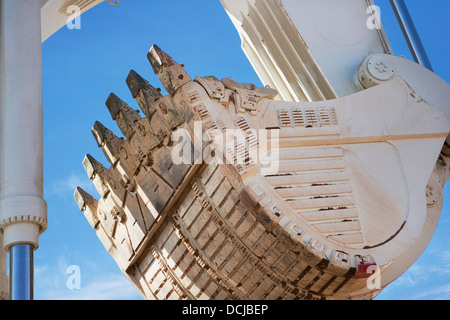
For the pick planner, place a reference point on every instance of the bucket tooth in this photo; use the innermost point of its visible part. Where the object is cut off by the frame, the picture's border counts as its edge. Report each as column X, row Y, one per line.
column 144, row 93
column 135, row 83
column 107, row 141
column 158, row 58
column 97, row 173
column 171, row 74
column 124, row 116
column 88, row 205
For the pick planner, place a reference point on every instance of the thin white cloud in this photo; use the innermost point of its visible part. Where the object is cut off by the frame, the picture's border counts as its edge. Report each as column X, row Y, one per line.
column 95, row 284
column 414, row 276
column 108, row 287
column 435, row 293
column 67, row 185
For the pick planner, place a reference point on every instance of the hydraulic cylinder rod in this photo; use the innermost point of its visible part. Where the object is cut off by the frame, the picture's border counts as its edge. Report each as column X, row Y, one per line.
column 410, row 32
column 21, row 272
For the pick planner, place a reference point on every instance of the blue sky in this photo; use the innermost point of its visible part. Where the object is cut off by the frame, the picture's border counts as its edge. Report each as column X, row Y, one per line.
column 81, row 68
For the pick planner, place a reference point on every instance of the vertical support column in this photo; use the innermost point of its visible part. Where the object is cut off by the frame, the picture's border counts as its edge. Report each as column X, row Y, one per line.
column 23, row 211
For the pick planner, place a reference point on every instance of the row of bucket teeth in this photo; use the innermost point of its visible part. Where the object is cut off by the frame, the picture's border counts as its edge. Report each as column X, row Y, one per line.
column 141, row 134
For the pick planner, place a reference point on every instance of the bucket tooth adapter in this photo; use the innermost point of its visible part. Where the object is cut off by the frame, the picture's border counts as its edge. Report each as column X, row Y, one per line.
column 223, row 192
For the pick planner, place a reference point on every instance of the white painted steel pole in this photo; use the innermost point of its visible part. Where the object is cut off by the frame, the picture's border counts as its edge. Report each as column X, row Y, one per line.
column 23, row 211
column 410, row 32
